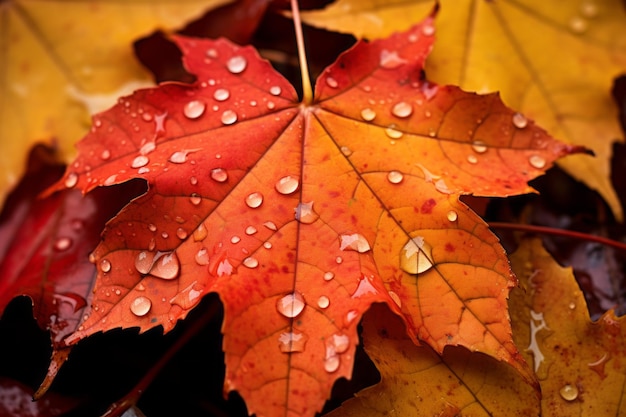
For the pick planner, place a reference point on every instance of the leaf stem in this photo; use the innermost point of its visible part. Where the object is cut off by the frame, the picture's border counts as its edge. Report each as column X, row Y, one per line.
column 307, row 92
column 558, row 232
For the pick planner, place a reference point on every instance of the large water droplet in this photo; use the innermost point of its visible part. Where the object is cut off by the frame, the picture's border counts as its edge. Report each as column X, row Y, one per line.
column 250, row 230
column 291, row 305
column 140, row 306
column 237, row 64
column 395, row 177
column 144, row 261
column 221, row 94
column 202, row 257
column 71, row 180
column 537, row 161
column 452, row 216
column 519, row 120
column 339, row 342
column 139, row 161
column 390, row 59
column 368, row 114
column 194, row 109
column 402, row 109
column 180, row 157
column 393, row 133
column 105, row 265
column 166, row 265
column 219, row 175
column 569, row 392
column 331, row 363
column 365, row 287
column 416, row 256
column 250, row 262
column 287, row 185
column 229, row 117
column 181, row 233
column 275, row 90
column 323, row 302
column 356, row 242
column 292, row 341
column 328, row 276
column 305, row 214
column 254, row 200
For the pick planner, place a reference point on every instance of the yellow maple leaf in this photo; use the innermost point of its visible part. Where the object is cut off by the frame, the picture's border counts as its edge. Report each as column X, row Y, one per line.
column 61, row 61
column 553, row 61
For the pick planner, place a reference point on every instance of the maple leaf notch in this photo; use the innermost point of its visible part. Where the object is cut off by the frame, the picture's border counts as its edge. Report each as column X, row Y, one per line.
column 301, row 215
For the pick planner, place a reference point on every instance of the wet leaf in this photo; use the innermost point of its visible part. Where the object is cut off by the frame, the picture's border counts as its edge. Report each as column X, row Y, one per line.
column 300, row 215
column 553, row 61
column 415, row 379
column 579, row 363
column 48, row 89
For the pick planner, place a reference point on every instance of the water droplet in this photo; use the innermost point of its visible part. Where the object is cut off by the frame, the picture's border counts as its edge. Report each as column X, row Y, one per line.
column 229, row 117
column 219, row 175
column 368, row 114
column 292, row 342
column 428, row 30
column 350, row 316
column 572, row 306
column 202, row 257
column 144, row 262
column 393, row 133
column 166, row 265
column 402, row 109
column 180, row 157
column 323, row 302
column 452, row 216
column 62, row 243
column 331, row 82
column 267, row 245
column 140, row 306
column 416, row 256
column 569, row 392
column 578, row 25
column 105, row 154
column 71, row 180
column 291, row 305
column 331, row 364
column 365, row 287
column 589, row 9
column 479, row 147
column 181, row 233
column 105, row 265
column 194, row 109
column 338, row 259
column 254, row 200
column 520, row 121
column 118, row 292
column 396, row 299
column 221, row 94
column 235, row 239
column 305, row 214
column 270, row 226
column 200, row 233
column 354, row 242
column 152, row 227
column 390, row 59
column 537, row 161
column 193, row 180
column 250, row 230
column 140, row 161
column 211, row 53
column 195, row 199
column 287, row 185
column 339, row 342
column 275, row 90
column 328, row 276
column 472, row 159
column 237, row 64
column 395, row 177
column 250, row 262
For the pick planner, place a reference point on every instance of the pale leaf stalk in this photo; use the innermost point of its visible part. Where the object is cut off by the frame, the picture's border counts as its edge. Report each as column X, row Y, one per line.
column 307, row 91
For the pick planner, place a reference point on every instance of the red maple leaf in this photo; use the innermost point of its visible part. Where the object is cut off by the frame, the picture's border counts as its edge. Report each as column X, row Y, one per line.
column 301, row 215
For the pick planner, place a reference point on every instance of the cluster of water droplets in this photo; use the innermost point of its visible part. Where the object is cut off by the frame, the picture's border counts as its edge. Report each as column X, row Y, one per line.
column 579, row 23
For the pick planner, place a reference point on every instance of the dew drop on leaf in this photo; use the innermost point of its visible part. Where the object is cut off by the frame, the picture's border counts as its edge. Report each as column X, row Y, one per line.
column 291, row 305
column 166, row 265
column 331, row 363
column 368, row 114
column 202, row 257
column 537, row 161
column 270, row 226
column 221, row 94
column 237, row 64
column 346, row 151
column 254, row 200
column 140, row 306
column 250, row 230
column 219, row 175
column 395, row 177
column 71, row 180
column 105, row 265
column 194, row 109
column 350, row 316
column 396, row 299
column 402, row 109
column 415, row 256
column 287, row 185
column 195, row 199
column 355, row 242
column 323, row 302
column 250, row 262
column 144, row 262
column 393, row 133
column 105, row 154
column 139, row 161
column 200, row 233
column 305, row 213
column 328, row 276
column 428, row 30
column 292, row 342
column 339, row 342
column 520, row 121
column 472, row 159
column 452, row 216
column 62, row 243
column 235, row 239
column 589, row 9
column 331, row 82
column 390, row 59
column 181, row 233
column 479, row 147
column 275, row 90
column 179, row 157
column 229, row 117
column 569, row 392
column 578, row 25
column 365, row 287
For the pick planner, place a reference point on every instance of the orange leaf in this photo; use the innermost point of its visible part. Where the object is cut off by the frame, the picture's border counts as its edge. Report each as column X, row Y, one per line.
column 580, row 364
column 301, row 215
